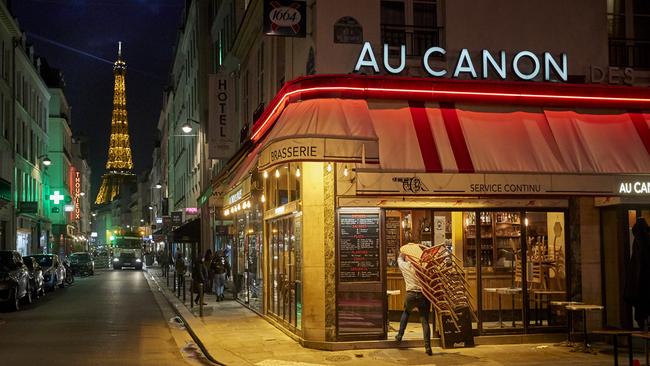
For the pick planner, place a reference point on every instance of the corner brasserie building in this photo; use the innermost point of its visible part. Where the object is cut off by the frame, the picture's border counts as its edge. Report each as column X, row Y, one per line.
column 532, row 186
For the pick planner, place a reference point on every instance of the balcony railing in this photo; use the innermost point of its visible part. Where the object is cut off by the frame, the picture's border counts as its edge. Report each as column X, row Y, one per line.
column 416, row 39
column 625, row 52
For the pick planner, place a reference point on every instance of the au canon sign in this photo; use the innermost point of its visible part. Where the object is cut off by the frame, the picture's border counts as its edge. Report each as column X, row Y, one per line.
column 285, row 18
column 525, row 65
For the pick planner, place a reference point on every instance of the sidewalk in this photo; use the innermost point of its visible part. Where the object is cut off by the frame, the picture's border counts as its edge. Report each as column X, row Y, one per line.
column 233, row 335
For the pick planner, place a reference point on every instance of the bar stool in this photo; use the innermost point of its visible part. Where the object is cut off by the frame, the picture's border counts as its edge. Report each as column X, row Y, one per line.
column 584, row 308
column 563, row 304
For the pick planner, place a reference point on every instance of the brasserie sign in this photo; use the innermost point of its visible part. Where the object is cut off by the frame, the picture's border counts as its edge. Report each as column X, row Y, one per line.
column 525, row 65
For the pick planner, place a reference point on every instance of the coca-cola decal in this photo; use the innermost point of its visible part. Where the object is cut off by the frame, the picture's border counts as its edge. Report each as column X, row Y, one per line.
column 285, row 18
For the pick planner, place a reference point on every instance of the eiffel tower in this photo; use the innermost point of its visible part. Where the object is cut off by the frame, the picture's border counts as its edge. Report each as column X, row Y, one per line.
column 119, row 164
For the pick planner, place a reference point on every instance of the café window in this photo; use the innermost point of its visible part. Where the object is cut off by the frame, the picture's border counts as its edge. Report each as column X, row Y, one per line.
column 283, row 184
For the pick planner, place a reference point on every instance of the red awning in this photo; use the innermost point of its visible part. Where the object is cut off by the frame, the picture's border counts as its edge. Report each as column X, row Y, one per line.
column 422, row 136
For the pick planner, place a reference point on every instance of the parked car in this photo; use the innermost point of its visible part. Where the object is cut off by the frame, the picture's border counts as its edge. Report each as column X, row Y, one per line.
column 36, row 281
column 53, row 270
column 82, row 263
column 14, row 280
column 101, row 259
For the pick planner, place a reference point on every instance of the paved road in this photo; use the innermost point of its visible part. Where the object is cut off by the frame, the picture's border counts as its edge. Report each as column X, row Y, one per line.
column 111, row 318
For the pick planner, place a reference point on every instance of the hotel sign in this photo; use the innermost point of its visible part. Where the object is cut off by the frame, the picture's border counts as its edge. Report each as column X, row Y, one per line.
column 221, row 120
column 525, row 65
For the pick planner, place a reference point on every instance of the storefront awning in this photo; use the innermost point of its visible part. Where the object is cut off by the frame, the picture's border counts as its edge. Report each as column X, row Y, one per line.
column 466, row 127
column 189, row 232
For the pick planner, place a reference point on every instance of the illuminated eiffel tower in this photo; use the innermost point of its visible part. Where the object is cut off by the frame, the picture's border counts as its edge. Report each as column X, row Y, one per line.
column 119, row 164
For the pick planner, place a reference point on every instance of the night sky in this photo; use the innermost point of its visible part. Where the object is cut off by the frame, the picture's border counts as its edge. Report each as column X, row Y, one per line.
column 147, row 29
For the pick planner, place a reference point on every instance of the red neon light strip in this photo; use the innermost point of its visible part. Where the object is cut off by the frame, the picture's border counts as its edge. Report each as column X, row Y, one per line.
column 456, row 138
column 425, row 137
column 642, row 128
column 548, row 94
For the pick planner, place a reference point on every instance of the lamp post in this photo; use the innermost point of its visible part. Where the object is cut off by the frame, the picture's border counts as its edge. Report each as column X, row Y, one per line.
column 187, row 129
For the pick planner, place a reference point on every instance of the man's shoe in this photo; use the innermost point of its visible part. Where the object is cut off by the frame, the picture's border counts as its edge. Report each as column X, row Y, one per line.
column 429, row 352
column 398, row 337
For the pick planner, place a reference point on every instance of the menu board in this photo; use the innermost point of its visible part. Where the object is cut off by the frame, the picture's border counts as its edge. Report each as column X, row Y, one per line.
column 359, row 247
column 392, row 239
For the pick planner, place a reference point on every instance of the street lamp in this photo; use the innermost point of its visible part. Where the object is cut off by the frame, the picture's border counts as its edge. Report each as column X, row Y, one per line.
column 46, row 161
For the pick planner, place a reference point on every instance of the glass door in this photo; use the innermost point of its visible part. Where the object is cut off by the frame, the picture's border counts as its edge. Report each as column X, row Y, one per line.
column 284, row 251
column 545, row 266
column 498, row 267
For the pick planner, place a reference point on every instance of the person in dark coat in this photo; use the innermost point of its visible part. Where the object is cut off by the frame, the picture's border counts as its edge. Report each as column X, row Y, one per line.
column 199, row 275
column 637, row 290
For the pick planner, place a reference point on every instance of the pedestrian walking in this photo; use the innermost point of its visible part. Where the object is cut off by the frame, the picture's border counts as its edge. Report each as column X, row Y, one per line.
column 638, row 271
column 221, row 269
column 207, row 261
column 179, row 267
column 199, row 275
column 414, row 299
column 164, row 263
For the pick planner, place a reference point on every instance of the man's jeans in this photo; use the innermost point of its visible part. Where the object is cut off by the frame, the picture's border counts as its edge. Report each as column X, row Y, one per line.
column 416, row 299
column 219, row 283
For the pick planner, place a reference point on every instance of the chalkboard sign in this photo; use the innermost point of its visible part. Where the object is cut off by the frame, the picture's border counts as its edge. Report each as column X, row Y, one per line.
column 392, row 239
column 453, row 337
column 359, row 247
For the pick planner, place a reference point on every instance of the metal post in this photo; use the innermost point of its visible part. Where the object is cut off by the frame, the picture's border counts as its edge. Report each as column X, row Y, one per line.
column 192, row 294
column 183, row 289
column 201, row 300
column 174, row 281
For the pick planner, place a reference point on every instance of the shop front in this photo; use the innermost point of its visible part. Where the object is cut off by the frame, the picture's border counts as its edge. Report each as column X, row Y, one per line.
column 243, row 243
column 517, row 180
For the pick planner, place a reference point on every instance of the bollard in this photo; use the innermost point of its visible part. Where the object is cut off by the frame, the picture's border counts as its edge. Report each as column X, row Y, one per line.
column 192, row 295
column 201, row 300
column 183, row 289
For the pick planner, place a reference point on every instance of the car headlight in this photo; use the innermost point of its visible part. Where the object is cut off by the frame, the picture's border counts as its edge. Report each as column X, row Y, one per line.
column 115, row 260
column 138, row 260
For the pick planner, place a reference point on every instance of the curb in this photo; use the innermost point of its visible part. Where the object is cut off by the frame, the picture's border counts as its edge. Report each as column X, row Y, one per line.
column 187, row 317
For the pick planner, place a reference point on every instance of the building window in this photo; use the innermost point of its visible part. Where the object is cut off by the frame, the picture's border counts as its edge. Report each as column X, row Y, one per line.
column 260, row 73
column 629, row 33
column 413, row 23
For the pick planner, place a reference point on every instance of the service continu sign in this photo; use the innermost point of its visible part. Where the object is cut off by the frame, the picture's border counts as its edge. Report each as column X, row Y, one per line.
column 285, row 18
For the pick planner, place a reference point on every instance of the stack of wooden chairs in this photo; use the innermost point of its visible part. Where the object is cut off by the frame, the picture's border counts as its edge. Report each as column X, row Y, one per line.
column 442, row 278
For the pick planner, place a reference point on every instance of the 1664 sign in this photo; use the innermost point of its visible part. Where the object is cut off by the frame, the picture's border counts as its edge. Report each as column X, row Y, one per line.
column 285, row 18
column 221, row 130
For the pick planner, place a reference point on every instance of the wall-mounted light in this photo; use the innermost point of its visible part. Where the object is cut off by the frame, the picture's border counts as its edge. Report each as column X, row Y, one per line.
column 150, row 207
column 277, row 173
column 187, row 128
column 297, row 172
column 265, row 174
column 141, row 220
column 346, row 172
column 329, row 167
column 158, row 185
column 263, row 198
